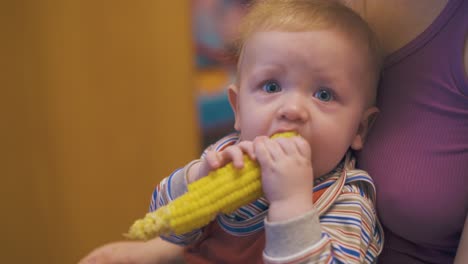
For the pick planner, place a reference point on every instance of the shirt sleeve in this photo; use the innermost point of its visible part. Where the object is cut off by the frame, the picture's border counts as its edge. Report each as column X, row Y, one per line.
column 175, row 185
column 348, row 232
column 169, row 189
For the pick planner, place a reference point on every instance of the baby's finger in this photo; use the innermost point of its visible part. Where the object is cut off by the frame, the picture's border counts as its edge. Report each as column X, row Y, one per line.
column 302, row 146
column 247, row 148
column 274, row 148
column 234, row 154
column 262, row 153
column 213, row 159
column 288, row 145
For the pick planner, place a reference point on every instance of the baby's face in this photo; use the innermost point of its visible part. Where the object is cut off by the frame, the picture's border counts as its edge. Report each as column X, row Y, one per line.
column 312, row 82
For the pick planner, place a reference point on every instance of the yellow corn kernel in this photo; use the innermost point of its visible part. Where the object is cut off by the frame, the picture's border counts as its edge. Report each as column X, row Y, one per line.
column 223, row 190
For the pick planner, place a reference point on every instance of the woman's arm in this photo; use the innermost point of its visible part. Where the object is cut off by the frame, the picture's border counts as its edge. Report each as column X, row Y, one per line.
column 130, row 252
column 462, row 251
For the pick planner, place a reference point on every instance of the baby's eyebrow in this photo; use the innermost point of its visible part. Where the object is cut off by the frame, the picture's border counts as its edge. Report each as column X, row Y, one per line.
column 267, row 70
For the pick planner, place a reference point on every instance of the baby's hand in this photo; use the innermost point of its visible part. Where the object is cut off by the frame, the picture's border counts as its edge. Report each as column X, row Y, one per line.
column 214, row 160
column 287, row 175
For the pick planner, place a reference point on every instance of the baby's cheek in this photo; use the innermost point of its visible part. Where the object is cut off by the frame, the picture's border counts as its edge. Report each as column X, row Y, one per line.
column 323, row 164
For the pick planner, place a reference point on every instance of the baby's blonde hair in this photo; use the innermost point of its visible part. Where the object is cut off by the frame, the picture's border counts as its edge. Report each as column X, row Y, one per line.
column 309, row 15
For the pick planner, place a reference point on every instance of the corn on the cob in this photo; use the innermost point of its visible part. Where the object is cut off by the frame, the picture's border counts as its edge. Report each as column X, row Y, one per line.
column 223, row 190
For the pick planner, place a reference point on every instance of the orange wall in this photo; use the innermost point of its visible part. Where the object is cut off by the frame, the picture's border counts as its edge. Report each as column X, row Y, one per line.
column 96, row 106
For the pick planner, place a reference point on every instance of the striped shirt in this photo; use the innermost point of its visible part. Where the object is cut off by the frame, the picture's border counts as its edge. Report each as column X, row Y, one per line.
column 343, row 228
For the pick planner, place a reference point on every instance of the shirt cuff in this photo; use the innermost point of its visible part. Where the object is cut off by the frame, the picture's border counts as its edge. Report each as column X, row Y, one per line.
column 287, row 238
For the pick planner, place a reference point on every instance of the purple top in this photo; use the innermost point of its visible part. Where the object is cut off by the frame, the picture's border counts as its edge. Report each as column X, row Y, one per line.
column 417, row 151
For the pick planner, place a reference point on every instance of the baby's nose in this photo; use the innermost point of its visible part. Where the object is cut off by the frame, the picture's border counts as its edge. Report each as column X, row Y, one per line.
column 294, row 108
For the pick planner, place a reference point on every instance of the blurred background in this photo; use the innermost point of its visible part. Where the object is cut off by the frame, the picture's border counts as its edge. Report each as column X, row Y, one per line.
column 99, row 100
column 214, row 27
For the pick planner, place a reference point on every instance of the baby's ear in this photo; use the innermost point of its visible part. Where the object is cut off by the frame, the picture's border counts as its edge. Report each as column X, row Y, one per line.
column 368, row 119
column 233, row 93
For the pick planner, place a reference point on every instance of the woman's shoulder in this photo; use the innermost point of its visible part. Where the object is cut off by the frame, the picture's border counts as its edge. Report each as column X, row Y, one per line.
column 398, row 22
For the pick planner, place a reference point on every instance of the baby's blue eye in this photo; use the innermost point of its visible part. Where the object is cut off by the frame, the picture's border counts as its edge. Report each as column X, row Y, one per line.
column 271, row 87
column 324, row 95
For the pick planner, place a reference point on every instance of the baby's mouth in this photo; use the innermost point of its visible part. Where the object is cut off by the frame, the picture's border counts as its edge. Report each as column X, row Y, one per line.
column 289, row 133
column 282, row 131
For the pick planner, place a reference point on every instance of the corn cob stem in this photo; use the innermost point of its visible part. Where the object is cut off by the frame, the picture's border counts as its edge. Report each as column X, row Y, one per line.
column 221, row 191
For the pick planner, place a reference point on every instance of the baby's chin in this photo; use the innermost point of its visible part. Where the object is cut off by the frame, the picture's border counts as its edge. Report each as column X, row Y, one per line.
column 324, row 169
